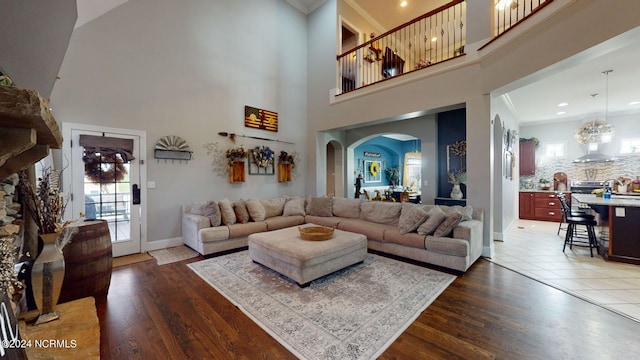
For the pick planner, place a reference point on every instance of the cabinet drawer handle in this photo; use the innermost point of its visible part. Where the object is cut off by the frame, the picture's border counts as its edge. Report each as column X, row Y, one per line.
column 551, row 203
column 552, row 196
column 551, row 213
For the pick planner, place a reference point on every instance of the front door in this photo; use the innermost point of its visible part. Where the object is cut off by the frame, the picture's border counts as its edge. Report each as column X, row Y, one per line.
column 107, row 188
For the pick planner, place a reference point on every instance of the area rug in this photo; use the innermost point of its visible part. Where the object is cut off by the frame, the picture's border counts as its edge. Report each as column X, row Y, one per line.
column 354, row 313
column 130, row 259
column 173, row 254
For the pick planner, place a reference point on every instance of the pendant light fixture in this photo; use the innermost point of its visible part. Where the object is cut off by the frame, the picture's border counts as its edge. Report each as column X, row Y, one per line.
column 596, row 131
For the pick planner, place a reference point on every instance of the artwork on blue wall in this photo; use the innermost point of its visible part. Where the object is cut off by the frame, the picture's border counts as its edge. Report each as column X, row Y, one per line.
column 372, row 171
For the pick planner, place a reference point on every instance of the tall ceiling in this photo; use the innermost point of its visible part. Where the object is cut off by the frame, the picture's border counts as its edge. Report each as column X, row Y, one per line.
column 534, row 99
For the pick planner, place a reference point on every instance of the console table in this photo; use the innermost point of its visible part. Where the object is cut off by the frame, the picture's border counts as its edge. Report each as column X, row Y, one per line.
column 449, row 201
column 75, row 335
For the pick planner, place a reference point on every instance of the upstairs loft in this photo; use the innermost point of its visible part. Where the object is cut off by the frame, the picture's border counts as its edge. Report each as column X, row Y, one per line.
column 438, row 36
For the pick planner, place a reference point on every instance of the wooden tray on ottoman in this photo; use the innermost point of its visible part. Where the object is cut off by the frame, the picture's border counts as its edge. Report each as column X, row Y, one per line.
column 316, row 233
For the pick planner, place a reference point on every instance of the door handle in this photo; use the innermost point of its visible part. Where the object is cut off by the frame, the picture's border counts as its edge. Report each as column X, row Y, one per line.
column 136, row 194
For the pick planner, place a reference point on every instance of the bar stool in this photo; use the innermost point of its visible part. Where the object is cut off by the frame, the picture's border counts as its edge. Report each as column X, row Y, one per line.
column 573, row 222
column 562, row 197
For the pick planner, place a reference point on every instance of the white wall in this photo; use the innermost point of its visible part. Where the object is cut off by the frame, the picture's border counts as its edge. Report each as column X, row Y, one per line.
column 188, row 68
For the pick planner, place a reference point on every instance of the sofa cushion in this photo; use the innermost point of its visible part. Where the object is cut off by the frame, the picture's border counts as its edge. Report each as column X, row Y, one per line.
column 240, row 209
column 226, row 211
column 320, row 206
column 273, row 207
column 436, row 216
column 328, row 221
column 256, row 211
column 448, row 246
column 465, row 211
column 411, row 216
column 242, row 230
column 380, row 212
column 294, row 206
column 446, row 227
column 373, row 231
column 409, row 239
column 346, row 207
column 211, row 234
column 281, row 222
column 208, row 209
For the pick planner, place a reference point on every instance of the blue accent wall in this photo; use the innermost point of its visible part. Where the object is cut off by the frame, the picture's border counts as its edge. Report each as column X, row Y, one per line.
column 391, row 155
column 452, row 127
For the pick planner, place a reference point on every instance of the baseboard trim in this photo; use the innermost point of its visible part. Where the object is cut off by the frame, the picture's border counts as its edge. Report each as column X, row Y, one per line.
column 163, row 244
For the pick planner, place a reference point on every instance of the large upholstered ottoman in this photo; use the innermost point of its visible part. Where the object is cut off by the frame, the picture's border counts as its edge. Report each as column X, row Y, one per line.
column 303, row 260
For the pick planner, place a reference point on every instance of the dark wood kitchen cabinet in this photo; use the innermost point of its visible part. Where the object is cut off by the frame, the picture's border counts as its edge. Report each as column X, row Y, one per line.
column 540, row 205
column 528, row 158
column 527, row 205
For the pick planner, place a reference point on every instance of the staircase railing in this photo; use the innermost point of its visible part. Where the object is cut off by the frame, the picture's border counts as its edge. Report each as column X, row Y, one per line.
column 508, row 13
column 434, row 37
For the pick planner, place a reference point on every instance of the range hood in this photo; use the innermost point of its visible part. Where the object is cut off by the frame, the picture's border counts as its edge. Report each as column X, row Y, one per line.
column 594, row 157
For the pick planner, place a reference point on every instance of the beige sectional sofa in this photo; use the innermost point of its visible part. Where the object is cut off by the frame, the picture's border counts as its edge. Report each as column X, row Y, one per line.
column 447, row 236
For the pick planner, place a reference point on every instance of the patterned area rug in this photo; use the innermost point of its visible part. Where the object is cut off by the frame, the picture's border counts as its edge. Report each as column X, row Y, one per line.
column 354, row 313
column 173, row 254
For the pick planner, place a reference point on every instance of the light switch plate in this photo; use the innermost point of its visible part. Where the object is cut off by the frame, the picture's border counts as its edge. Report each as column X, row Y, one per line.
column 151, row 184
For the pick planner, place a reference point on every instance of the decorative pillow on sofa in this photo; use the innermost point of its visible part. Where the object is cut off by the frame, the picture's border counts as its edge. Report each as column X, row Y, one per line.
column 208, row 209
column 446, row 227
column 256, row 210
column 465, row 211
column 346, row 207
column 227, row 213
column 273, row 207
column 411, row 216
column 294, row 206
column 320, row 206
column 240, row 209
column 436, row 216
column 380, row 212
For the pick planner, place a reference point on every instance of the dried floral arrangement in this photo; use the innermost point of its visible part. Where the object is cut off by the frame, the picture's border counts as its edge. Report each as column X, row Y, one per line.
column 262, row 156
column 457, row 177
column 285, row 157
column 235, row 154
column 45, row 203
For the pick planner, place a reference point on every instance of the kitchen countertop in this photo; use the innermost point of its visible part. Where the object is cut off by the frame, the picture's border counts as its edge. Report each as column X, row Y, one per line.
column 590, row 199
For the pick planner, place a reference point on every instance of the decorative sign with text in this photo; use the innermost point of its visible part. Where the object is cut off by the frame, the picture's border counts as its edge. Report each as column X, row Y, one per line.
column 372, row 154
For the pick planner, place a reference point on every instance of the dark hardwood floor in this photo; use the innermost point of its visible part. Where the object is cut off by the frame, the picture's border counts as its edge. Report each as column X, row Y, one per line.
column 168, row 312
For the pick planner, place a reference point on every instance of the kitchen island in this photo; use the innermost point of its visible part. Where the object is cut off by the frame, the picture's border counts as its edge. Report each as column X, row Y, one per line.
column 623, row 241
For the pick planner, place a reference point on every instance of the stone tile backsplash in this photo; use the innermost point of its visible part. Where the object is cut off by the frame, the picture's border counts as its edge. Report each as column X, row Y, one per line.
column 625, row 166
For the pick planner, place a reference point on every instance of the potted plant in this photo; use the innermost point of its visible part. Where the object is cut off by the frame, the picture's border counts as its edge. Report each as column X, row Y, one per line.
column 393, row 176
column 544, row 184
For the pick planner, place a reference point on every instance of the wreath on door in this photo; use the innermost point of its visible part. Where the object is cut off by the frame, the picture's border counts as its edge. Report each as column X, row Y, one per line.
column 101, row 169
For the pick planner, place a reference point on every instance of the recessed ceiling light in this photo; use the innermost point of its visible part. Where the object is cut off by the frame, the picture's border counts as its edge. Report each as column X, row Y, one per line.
column 634, row 103
column 403, row 3
column 563, row 104
column 560, row 113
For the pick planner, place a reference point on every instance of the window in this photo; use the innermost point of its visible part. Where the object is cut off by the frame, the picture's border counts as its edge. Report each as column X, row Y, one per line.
column 554, row 150
column 630, row 146
column 412, row 166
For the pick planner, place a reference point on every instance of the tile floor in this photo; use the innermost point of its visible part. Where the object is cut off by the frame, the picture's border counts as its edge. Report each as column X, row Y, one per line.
column 534, row 249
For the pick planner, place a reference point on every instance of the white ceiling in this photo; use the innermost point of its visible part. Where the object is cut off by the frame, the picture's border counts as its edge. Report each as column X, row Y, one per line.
column 534, row 99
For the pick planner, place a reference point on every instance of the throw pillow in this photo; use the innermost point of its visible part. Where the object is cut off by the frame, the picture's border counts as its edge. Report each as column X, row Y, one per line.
column 347, row 208
column 226, row 210
column 465, row 211
column 411, row 216
column 320, row 206
column 294, row 206
column 436, row 216
column 240, row 209
column 273, row 207
column 208, row 209
column 446, row 227
column 256, row 210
